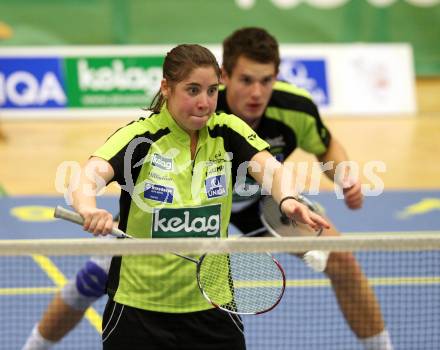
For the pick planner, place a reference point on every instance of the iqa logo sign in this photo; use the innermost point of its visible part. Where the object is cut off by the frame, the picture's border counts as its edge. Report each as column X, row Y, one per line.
column 31, row 83
column 309, row 75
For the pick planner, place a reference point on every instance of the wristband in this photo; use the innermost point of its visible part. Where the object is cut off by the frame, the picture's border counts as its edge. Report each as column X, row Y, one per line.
column 284, row 199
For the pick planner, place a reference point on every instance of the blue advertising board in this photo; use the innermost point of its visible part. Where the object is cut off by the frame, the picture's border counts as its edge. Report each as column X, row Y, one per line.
column 309, row 74
column 32, row 82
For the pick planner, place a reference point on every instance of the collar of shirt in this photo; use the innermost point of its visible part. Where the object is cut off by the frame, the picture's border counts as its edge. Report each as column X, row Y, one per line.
column 181, row 135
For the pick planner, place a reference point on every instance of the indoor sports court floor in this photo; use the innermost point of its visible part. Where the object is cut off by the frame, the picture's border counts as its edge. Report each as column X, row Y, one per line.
column 409, row 147
column 411, row 212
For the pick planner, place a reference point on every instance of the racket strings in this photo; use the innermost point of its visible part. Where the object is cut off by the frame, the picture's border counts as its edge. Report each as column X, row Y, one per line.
column 242, row 282
column 278, row 226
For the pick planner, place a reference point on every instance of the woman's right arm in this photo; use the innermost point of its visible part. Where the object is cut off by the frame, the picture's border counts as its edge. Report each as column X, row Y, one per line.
column 95, row 175
column 281, row 187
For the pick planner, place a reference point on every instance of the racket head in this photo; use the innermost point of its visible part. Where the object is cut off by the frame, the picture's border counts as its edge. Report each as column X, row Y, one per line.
column 279, row 225
column 241, row 283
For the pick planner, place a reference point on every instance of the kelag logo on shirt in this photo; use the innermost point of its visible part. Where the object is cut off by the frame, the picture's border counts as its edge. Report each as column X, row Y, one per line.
column 159, row 193
column 215, row 186
column 162, row 162
column 187, row 222
column 309, row 75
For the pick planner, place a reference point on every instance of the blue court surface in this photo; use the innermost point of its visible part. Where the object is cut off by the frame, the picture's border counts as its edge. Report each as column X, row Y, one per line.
column 407, row 284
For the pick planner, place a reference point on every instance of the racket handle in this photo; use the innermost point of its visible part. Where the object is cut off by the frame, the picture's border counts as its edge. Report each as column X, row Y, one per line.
column 69, row 215
column 316, row 259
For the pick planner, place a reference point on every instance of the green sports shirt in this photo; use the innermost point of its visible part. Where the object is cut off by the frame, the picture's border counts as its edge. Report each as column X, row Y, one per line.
column 291, row 120
column 167, row 194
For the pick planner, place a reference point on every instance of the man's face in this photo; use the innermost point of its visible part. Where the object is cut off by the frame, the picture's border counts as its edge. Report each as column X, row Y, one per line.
column 249, row 88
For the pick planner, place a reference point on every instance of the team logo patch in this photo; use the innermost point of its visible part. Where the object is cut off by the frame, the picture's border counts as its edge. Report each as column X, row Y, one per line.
column 187, row 222
column 162, row 162
column 216, row 186
column 252, row 137
column 159, row 193
column 215, row 169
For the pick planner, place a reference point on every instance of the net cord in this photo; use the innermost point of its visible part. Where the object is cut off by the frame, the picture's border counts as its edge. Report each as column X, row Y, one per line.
column 95, row 246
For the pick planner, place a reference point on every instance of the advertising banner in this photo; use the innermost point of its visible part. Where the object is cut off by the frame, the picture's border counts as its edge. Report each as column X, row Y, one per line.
column 32, row 82
column 357, row 79
column 343, row 80
column 112, row 81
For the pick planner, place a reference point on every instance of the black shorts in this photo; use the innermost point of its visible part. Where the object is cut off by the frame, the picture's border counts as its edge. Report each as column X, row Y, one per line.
column 248, row 219
column 125, row 327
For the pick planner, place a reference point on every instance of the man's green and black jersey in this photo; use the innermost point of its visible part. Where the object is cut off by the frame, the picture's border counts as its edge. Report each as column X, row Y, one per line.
column 291, row 120
column 165, row 193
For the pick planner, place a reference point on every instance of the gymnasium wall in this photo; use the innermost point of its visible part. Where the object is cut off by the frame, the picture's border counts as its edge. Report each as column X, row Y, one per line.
column 96, row 22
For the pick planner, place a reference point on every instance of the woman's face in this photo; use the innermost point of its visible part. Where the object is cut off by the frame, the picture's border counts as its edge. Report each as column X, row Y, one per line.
column 192, row 101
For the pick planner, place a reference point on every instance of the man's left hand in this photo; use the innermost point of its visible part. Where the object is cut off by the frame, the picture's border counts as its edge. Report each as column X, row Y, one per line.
column 353, row 196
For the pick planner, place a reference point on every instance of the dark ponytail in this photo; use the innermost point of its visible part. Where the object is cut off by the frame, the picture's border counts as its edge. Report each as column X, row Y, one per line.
column 157, row 102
